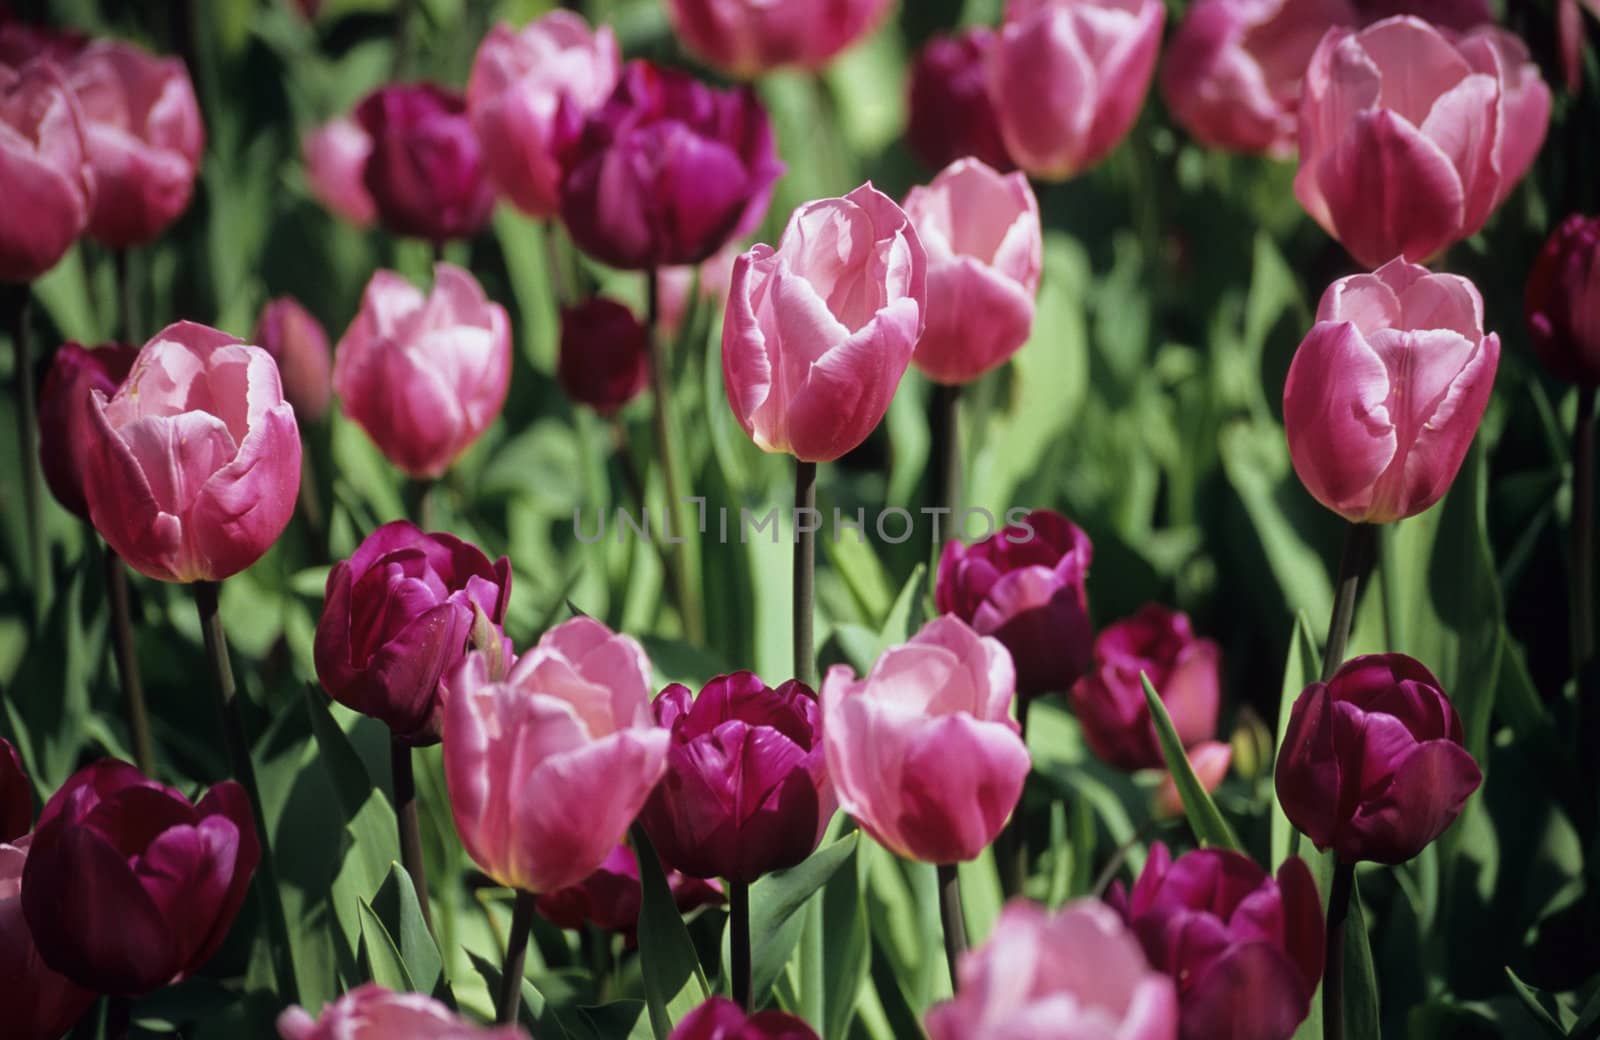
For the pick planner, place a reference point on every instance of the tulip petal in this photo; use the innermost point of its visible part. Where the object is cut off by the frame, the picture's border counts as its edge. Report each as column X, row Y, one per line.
column 1308, row 773
column 1342, row 437
column 1226, row 999
column 1429, row 789
column 962, row 778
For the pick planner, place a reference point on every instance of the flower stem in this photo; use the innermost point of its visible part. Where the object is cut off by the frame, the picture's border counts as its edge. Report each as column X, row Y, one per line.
column 955, row 925
column 405, row 813
column 119, row 1015
column 1011, row 847
column 1360, row 543
column 1583, row 638
column 685, row 582
column 127, row 297
column 739, row 941
column 127, row 655
column 510, row 997
column 15, row 307
column 1344, row 875
column 805, row 572
column 946, row 455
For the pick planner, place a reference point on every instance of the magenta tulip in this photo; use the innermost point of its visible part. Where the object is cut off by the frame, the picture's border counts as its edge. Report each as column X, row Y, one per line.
column 819, row 331
column 295, row 339
column 128, row 887
column 424, row 375
column 1244, row 948
column 923, row 752
column 44, row 163
column 610, row 898
column 1068, row 78
column 65, row 430
column 425, row 173
column 746, row 38
column 40, row 1004
column 525, row 83
column 1562, row 301
column 1385, row 393
column 370, row 1012
column 605, row 355
column 721, row 1019
column 336, row 155
column 1078, row 972
column 549, row 766
column 1110, row 700
column 16, row 794
column 1372, row 764
column 746, row 790
column 951, row 115
column 193, row 465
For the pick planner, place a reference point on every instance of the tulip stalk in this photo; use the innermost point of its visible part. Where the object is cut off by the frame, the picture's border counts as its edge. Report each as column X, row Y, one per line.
column 1355, row 559
column 127, row 656
column 955, row 924
column 805, row 570
column 684, row 579
column 405, row 813
column 739, row 941
column 510, row 995
column 946, row 452
column 15, row 306
column 1583, row 639
column 1344, row 876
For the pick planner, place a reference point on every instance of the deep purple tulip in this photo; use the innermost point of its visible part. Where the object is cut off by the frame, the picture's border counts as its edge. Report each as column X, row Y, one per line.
column 129, row 887
column 1024, row 586
column 39, row 1004
column 425, row 173
column 667, row 171
column 605, row 354
column 611, row 897
column 16, row 794
column 395, row 619
column 1562, row 301
column 951, row 114
column 746, row 789
column 1372, row 764
column 721, row 1019
column 1244, row 948
column 75, row 372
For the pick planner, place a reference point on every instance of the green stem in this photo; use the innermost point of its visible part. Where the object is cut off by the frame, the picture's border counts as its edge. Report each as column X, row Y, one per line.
column 127, row 656
column 510, row 996
column 405, row 812
column 739, row 941
column 1360, row 541
column 946, row 456
column 1584, row 664
column 1344, row 875
column 15, row 306
column 805, row 571
column 955, row 924
column 684, row 580
column 127, row 296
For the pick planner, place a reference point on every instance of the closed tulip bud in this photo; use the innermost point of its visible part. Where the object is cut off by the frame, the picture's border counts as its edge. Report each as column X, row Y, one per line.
column 1372, row 764
column 193, row 465
column 65, row 397
column 336, row 155
column 721, row 1019
column 923, row 752
column 295, row 339
column 425, row 173
column 128, row 887
column 1078, row 972
column 40, row 1003
column 746, row 38
column 548, row 767
column 145, row 138
column 45, row 166
column 424, row 375
column 611, row 897
column 1068, row 78
column 951, row 116
column 1210, row 760
column 1386, row 392
column 16, row 794
column 1110, row 700
column 746, row 790
column 605, row 354
column 524, row 84
column 819, row 331
column 371, row 1012
column 1563, row 301
column 667, row 171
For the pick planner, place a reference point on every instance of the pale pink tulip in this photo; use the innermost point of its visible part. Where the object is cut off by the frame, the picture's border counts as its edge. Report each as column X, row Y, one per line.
column 45, row 168
column 748, row 37
column 336, row 156
column 371, row 1012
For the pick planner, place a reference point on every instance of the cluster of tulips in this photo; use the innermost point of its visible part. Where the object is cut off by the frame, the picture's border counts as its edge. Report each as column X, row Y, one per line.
column 564, row 767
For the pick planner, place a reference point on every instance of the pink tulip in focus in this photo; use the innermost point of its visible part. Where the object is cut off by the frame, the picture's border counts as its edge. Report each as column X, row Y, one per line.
column 424, row 375
column 1385, row 394
column 425, row 173
column 1562, row 301
column 524, row 83
column 549, row 766
column 745, row 38
column 1524, row 93
column 192, row 467
column 721, row 1019
column 65, row 432
column 40, row 1003
column 924, row 752
column 1078, row 972
column 145, row 138
column 1068, row 78
column 45, row 167
column 819, row 331
column 295, row 339
column 370, row 1012
column 1210, row 760
column 336, row 156
column 951, row 114
column 985, row 253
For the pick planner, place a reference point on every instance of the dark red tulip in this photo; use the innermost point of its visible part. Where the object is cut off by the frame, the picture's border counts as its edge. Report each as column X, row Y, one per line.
column 610, row 898
column 951, row 115
column 721, row 1019
column 16, row 794
column 425, row 173
column 75, row 372
column 605, row 354
column 1563, row 301
column 39, row 1004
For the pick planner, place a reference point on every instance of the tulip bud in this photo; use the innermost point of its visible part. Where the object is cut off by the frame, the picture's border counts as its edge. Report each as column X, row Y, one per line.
column 746, row 38
column 1372, row 764
column 40, row 1004
column 44, row 152
column 605, row 355
column 336, row 155
column 193, row 466
column 1456, row 15
column 1386, row 392
column 16, row 794
column 295, row 339
column 819, row 331
column 425, row 173
column 611, row 897
column 128, row 887
column 1210, row 760
column 951, row 116
column 370, row 1012
column 721, row 1019
column 64, row 406
column 1244, row 948
column 1079, row 969
column 1110, row 701
column 21, row 42
column 1563, row 301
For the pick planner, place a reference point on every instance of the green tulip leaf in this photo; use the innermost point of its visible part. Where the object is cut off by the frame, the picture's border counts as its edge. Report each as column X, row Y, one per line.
column 1201, row 811
column 674, row 983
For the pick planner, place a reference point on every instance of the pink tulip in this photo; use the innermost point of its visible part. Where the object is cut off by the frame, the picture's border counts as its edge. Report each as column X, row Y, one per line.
column 1210, row 761
column 1457, row 15
column 748, row 37
column 371, row 1012
column 1386, row 392
column 65, row 432
column 1232, row 73
column 193, row 465
column 336, row 156
column 548, row 767
column 40, row 1003
column 145, row 138
column 21, row 42
column 1078, row 972
column 1068, row 78
column 820, row 330
column 985, row 252
column 295, row 339
column 924, row 752
column 44, row 165
column 524, row 83
column 1406, row 136
column 424, row 375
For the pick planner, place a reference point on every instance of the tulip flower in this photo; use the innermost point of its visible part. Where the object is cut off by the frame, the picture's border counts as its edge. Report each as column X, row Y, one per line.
column 21, row 42
column 1456, row 15
column 1372, row 764
column 128, row 887
column 424, row 375
column 425, row 173
column 1563, row 301
column 605, row 355
column 370, row 1012
column 1386, row 392
column 40, row 1004
column 1110, row 700
column 951, row 115
column 721, row 1019
column 667, row 171
column 1524, row 95
column 64, row 406
column 1232, row 73
column 746, row 790
column 610, row 898
column 1244, row 948
column 16, row 794
column 746, row 38
column 44, row 160
column 192, row 467
column 820, row 330
column 336, row 155
column 923, row 752
column 549, row 766
column 1406, row 136
column 1078, row 972
column 524, row 84
column 395, row 620
column 295, row 339
column 145, row 138
column 1068, row 78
